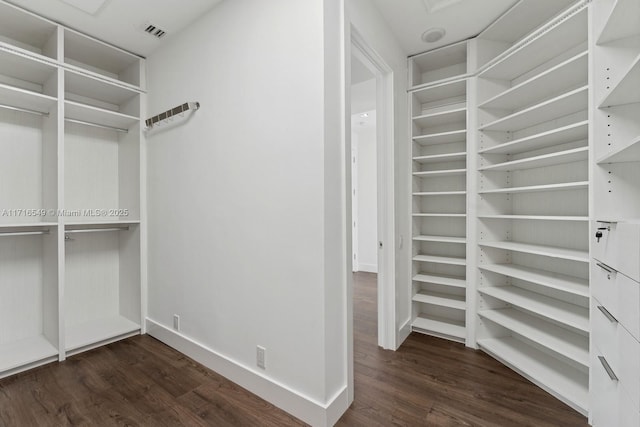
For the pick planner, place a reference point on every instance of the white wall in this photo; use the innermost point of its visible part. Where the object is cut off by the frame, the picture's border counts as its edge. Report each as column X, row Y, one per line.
column 246, row 199
column 368, row 21
column 363, row 96
column 364, row 140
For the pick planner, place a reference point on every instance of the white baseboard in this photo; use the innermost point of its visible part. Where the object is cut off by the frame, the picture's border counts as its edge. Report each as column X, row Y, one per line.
column 285, row 398
column 368, row 268
column 403, row 333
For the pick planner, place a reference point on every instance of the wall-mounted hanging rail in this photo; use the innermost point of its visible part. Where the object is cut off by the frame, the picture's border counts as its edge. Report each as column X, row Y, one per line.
column 180, row 109
column 23, row 233
column 23, row 110
column 92, row 230
column 95, row 125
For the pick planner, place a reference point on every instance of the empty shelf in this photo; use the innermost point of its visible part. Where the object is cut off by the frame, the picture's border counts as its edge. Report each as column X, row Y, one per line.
column 440, row 299
column 550, row 251
column 26, row 99
column 437, row 158
column 25, row 68
column 570, row 73
column 89, row 333
column 439, row 279
column 565, row 186
column 441, row 138
column 98, row 116
column 560, row 379
column 441, row 118
column 626, row 91
column 440, row 173
column 26, row 352
column 560, row 340
column 441, row 92
column 440, row 239
column 440, row 325
column 440, row 259
column 538, row 217
column 622, row 22
column 629, row 153
column 441, row 193
column 551, row 159
column 562, row 105
column 563, row 282
column 570, row 133
column 567, row 314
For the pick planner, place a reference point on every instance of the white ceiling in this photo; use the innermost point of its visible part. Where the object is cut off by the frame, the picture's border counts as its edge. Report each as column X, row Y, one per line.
column 120, row 22
column 461, row 19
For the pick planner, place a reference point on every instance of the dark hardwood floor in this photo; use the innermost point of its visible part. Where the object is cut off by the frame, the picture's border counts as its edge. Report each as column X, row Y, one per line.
column 141, row 382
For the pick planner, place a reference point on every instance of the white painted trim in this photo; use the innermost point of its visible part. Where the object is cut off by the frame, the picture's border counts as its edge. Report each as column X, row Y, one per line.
column 305, row 408
column 403, row 333
column 367, row 268
column 386, row 186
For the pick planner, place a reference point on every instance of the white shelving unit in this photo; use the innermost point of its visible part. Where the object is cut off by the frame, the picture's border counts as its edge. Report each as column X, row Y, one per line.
column 439, row 135
column 533, row 201
column 615, row 296
column 70, row 134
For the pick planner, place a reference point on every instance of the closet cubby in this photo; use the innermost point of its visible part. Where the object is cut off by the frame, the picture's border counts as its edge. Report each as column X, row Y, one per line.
column 615, row 235
column 441, row 64
column 102, row 284
column 439, row 154
column 101, row 60
column 533, row 201
column 28, row 297
column 25, row 32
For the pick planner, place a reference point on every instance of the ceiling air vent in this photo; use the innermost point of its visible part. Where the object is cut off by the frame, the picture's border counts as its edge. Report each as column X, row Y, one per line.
column 154, row 30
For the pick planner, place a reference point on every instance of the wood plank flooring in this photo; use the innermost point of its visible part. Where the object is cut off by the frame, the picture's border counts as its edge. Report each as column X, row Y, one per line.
column 141, row 382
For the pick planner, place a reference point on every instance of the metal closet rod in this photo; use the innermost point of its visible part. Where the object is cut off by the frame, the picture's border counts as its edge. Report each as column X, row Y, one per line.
column 23, row 233
column 96, row 230
column 82, row 122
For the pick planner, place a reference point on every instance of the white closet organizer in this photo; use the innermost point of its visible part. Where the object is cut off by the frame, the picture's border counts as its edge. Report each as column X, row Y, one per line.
column 532, row 199
column 615, row 271
column 439, row 132
column 70, row 134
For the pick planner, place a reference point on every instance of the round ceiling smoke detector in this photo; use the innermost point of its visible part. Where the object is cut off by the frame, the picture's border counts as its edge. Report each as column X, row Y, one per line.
column 432, row 35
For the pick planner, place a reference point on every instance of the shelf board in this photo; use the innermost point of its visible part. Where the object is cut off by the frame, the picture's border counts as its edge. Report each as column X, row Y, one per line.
column 562, row 105
column 549, row 251
column 562, row 380
column 567, row 314
column 440, row 325
column 21, row 98
column 443, row 215
column 441, row 259
column 544, row 160
column 441, row 137
column 86, row 334
column 439, row 158
column 570, row 133
column 10, row 226
column 440, row 239
column 625, row 91
column 99, row 116
column 622, row 22
column 25, row 352
column 538, row 217
column 440, row 173
column 566, row 343
column 440, row 279
column 628, row 153
column 97, row 88
column 441, row 92
column 441, row 118
column 565, row 186
column 570, row 284
column 440, row 193
column 570, row 73
column 540, row 49
column 25, row 68
column 440, row 299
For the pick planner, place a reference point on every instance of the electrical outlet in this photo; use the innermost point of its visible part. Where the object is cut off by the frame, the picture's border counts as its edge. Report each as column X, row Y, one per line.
column 260, row 357
column 176, row 322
